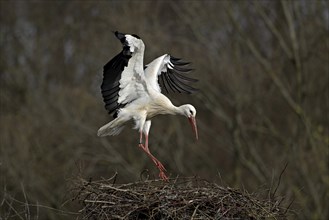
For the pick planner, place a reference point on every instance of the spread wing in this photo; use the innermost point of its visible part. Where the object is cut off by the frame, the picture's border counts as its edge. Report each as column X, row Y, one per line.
column 123, row 75
column 169, row 73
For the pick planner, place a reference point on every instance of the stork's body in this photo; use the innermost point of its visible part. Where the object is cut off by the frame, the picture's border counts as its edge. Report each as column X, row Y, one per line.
column 131, row 92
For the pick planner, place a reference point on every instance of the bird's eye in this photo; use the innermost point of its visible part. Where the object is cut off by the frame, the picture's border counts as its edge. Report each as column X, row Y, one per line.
column 191, row 112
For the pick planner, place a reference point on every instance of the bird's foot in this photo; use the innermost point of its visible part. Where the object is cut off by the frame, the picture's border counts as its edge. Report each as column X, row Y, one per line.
column 159, row 165
column 162, row 170
column 163, row 176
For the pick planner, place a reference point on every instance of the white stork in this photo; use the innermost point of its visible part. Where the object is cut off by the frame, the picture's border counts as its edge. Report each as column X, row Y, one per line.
column 132, row 91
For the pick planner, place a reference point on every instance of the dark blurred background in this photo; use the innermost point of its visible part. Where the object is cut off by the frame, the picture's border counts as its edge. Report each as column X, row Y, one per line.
column 263, row 100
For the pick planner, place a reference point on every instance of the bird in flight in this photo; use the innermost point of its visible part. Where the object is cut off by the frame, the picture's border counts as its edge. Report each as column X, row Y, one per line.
column 132, row 91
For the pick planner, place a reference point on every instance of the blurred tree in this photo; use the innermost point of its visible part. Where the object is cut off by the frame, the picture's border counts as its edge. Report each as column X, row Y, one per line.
column 264, row 74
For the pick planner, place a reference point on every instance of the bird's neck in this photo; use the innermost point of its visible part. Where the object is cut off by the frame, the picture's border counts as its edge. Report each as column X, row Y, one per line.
column 178, row 110
column 162, row 105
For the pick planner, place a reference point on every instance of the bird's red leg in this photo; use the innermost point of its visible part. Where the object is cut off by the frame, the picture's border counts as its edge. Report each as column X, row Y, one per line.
column 155, row 160
column 159, row 165
column 140, row 138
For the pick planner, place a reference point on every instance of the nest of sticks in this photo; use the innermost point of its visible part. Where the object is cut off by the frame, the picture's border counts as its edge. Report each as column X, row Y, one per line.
column 180, row 198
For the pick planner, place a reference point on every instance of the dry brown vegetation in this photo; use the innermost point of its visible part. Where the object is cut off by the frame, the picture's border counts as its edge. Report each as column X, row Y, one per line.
column 263, row 100
column 179, row 198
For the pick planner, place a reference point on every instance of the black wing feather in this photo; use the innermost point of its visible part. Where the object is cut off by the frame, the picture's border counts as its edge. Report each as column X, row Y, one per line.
column 182, row 69
column 111, row 76
column 177, row 74
column 183, row 86
column 163, row 82
column 176, row 84
column 175, row 79
column 179, row 63
column 169, row 83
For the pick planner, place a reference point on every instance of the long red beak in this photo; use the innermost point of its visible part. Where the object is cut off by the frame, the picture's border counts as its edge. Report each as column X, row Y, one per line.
column 194, row 127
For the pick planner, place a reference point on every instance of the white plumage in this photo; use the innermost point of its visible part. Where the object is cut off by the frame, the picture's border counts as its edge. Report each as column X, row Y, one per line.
column 132, row 91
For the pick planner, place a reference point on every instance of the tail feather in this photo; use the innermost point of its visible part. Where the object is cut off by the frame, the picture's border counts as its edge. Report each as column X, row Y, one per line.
column 112, row 128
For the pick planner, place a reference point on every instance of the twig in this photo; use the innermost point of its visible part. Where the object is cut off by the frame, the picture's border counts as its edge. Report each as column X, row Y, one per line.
column 277, row 186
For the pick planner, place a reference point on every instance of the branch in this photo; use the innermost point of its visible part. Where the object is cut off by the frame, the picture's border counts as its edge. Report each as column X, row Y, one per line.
column 273, row 29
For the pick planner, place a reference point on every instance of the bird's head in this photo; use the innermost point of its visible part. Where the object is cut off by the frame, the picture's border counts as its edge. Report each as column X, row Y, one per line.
column 131, row 42
column 190, row 112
